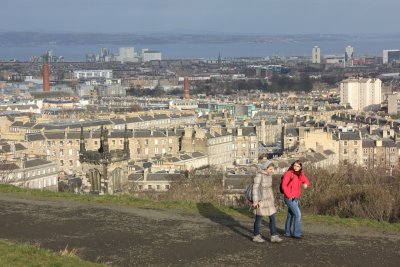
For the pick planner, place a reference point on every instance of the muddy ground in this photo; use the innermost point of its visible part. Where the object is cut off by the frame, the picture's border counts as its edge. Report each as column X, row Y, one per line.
column 129, row 236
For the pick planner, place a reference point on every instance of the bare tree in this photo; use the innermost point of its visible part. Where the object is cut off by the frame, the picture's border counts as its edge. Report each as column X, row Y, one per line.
column 7, row 171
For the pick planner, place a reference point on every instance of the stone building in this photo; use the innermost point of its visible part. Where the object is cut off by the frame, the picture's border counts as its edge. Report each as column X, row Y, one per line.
column 382, row 153
column 106, row 170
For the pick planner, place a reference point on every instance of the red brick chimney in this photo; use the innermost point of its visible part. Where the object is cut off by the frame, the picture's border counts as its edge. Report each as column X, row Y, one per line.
column 186, row 95
column 46, row 77
column 46, row 73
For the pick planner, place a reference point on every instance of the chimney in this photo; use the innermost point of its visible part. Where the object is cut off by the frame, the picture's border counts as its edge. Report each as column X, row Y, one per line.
column 46, row 75
column 186, row 95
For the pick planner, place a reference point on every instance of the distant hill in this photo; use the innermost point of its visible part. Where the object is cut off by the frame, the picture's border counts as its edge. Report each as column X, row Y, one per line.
column 38, row 38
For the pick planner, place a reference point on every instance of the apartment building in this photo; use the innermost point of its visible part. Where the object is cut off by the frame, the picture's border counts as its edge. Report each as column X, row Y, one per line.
column 361, row 93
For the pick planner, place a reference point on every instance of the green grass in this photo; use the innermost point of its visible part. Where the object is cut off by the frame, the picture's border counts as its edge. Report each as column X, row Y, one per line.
column 23, row 255
column 353, row 222
column 189, row 206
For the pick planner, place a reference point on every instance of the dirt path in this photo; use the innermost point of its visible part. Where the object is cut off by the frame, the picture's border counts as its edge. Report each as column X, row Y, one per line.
column 128, row 236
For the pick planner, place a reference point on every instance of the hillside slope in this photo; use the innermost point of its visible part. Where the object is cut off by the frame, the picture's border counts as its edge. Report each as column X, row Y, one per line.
column 130, row 236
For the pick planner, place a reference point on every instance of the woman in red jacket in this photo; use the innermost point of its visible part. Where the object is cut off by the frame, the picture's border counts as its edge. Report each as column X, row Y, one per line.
column 292, row 181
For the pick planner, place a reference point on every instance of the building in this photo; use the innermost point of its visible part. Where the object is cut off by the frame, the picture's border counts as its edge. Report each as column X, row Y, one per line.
column 393, row 104
column 390, row 56
column 361, row 93
column 127, row 54
column 316, row 55
column 349, row 55
column 30, row 173
column 93, row 74
column 105, row 170
column 381, row 153
column 148, row 55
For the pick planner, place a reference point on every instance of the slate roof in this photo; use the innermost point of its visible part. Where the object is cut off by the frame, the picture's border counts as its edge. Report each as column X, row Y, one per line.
column 36, row 162
column 34, row 137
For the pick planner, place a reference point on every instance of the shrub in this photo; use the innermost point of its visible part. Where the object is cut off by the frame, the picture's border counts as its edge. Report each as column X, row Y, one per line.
column 352, row 191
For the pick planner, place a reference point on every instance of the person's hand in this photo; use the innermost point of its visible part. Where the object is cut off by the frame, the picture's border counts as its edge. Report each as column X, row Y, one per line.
column 255, row 205
column 305, row 186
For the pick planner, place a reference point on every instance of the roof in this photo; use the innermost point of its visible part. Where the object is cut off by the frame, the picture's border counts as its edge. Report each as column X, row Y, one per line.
column 35, row 162
column 34, row 137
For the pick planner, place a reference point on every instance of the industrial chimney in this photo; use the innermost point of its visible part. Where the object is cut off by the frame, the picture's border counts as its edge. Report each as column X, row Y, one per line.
column 46, row 74
column 186, row 95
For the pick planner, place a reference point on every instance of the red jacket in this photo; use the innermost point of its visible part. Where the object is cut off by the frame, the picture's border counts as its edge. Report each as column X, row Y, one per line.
column 291, row 184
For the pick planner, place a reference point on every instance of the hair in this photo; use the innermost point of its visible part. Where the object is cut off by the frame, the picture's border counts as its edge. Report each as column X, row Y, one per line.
column 298, row 162
column 265, row 164
column 262, row 156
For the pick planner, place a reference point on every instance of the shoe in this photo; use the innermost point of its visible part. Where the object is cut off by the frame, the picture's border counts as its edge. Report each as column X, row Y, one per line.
column 297, row 237
column 258, row 239
column 285, row 235
column 276, row 239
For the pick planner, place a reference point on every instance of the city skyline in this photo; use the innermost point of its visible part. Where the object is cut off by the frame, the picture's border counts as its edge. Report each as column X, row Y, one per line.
column 176, row 16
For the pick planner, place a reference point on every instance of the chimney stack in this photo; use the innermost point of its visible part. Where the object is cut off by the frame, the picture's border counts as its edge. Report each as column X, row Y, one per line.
column 186, row 95
column 46, row 74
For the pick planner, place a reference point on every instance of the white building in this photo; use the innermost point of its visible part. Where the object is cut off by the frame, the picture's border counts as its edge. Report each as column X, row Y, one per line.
column 334, row 59
column 316, row 55
column 391, row 55
column 93, row 74
column 151, row 55
column 349, row 55
column 361, row 93
column 127, row 54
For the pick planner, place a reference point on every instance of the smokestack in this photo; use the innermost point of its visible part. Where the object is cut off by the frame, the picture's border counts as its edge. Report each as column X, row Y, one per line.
column 46, row 75
column 186, row 95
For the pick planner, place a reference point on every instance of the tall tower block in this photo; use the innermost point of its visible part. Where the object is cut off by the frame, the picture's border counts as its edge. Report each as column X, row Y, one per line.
column 46, row 75
column 186, row 95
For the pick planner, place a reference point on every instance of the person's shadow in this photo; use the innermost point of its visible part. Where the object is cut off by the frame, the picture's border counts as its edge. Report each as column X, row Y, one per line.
column 214, row 214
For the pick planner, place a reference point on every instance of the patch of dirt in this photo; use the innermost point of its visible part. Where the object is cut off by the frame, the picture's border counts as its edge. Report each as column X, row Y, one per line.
column 129, row 236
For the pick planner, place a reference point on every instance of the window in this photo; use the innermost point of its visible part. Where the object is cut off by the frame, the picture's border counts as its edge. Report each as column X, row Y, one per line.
column 61, row 143
column 61, row 163
column 158, row 187
column 345, row 151
column 140, row 187
column 71, row 163
column 355, row 143
column 345, row 143
column 146, row 141
column 95, row 143
column 70, row 142
column 149, row 187
column 167, row 186
column 113, row 142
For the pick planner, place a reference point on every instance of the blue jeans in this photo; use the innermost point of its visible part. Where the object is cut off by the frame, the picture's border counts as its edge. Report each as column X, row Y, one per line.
column 272, row 225
column 293, row 216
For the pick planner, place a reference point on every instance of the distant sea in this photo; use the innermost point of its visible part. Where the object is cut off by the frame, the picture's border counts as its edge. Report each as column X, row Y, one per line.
column 74, row 53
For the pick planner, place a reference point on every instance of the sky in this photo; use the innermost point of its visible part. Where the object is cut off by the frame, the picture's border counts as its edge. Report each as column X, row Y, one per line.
column 201, row 16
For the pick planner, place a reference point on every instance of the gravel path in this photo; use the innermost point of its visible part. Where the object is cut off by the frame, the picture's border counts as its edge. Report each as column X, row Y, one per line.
column 130, row 236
